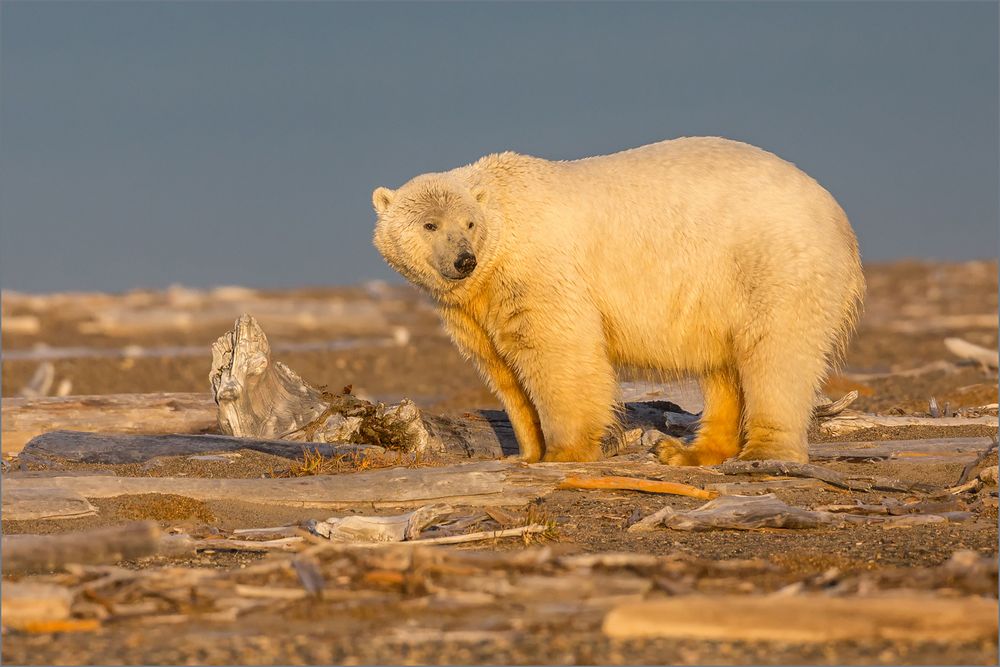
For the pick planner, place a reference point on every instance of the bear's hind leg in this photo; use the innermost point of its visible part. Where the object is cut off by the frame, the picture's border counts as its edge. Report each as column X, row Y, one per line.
column 719, row 433
column 780, row 379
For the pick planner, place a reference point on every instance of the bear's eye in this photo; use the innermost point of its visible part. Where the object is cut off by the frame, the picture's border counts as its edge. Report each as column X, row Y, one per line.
column 430, row 226
column 471, row 224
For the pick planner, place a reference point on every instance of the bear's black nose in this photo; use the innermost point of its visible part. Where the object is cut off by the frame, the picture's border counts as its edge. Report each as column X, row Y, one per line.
column 465, row 263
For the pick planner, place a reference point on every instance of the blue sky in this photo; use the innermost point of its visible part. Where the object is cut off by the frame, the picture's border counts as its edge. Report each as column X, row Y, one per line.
column 203, row 143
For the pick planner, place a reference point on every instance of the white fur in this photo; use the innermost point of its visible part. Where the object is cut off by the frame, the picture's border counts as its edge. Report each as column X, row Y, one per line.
column 693, row 256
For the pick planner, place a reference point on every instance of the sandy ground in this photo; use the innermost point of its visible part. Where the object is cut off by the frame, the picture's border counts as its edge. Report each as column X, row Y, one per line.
column 907, row 318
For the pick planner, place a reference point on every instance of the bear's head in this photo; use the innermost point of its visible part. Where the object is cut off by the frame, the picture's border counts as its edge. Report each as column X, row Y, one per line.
column 434, row 230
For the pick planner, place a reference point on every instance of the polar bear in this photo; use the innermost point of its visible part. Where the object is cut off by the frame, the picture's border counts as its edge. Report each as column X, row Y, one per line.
column 697, row 256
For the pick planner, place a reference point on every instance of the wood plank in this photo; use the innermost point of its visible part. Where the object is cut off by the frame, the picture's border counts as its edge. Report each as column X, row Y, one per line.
column 847, row 423
column 806, row 618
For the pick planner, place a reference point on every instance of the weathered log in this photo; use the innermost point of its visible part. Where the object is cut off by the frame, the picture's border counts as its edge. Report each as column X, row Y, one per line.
column 931, row 450
column 108, row 449
column 812, row 471
column 44, row 553
column 481, row 483
column 845, row 424
column 806, row 618
column 39, row 502
column 25, row 418
column 987, row 358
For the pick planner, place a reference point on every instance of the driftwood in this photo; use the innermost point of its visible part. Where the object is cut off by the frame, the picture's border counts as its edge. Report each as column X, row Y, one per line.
column 931, row 450
column 935, row 322
column 769, row 511
column 395, row 528
column 845, row 424
column 806, row 618
column 809, row 470
column 262, row 398
column 481, row 483
column 535, row 581
column 987, row 358
column 25, row 418
column 766, row 486
column 636, row 484
column 81, row 447
column 39, row 502
column 740, row 513
column 43, row 553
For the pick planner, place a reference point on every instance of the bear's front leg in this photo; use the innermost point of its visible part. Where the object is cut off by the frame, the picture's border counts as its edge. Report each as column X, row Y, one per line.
column 473, row 342
column 560, row 355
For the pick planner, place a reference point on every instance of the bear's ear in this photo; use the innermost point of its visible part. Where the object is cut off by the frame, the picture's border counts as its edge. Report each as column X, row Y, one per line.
column 479, row 192
column 381, row 199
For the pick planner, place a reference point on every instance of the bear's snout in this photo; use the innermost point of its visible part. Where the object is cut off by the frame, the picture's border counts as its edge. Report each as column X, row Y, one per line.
column 465, row 263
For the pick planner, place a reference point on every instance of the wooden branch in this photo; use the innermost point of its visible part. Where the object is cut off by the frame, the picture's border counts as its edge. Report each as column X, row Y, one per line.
column 806, row 618
column 481, row 483
column 987, row 358
column 833, row 408
column 481, row 536
column 44, row 553
column 636, row 484
column 25, row 418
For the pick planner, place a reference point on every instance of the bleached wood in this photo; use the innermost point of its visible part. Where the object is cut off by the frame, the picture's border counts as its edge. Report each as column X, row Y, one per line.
column 988, row 358
column 262, row 398
column 25, row 418
column 481, row 483
column 43, row 553
column 806, row 618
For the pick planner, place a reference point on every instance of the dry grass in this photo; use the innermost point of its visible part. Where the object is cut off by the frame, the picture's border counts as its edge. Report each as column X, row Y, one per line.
column 315, row 462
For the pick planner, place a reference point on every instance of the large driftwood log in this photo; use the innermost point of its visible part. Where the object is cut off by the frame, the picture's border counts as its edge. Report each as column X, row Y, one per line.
column 845, row 423
column 24, row 554
column 806, row 618
column 987, row 358
column 25, row 418
column 262, row 398
column 481, row 483
column 109, row 449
